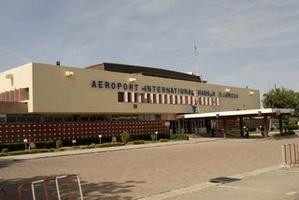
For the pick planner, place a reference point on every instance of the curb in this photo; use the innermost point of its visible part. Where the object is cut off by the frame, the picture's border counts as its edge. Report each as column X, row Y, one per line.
column 201, row 186
column 103, row 150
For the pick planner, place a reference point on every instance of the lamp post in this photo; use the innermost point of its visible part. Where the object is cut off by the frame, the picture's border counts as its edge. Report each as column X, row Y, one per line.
column 100, row 139
column 156, row 132
column 25, row 141
column 74, row 142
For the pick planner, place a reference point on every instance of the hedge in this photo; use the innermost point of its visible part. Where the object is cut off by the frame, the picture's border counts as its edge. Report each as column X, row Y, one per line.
column 21, row 146
column 27, row 152
column 179, row 137
column 292, row 127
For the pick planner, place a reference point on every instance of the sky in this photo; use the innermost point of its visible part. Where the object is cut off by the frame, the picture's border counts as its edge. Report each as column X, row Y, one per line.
column 238, row 42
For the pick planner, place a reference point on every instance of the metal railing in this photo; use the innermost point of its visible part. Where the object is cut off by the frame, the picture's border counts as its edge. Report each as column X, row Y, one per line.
column 3, row 194
column 290, row 154
column 51, row 187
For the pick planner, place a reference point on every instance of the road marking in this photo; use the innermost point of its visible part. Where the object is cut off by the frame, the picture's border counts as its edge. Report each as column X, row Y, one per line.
column 257, row 172
column 248, row 188
column 291, row 193
column 198, row 187
column 180, row 191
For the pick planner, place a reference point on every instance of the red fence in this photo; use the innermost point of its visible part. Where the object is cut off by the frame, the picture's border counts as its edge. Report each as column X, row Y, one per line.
column 16, row 132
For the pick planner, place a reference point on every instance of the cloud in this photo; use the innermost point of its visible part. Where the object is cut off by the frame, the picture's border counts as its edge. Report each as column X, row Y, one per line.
column 235, row 38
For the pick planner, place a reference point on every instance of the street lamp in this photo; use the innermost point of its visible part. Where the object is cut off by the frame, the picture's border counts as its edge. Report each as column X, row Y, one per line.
column 74, row 142
column 25, row 141
column 156, row 132
column 100, row 139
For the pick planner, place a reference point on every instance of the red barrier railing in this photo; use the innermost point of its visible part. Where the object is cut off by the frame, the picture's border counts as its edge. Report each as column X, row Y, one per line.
column 4, row 193
column 290, row 154
column 16, row 132
column 69, row 180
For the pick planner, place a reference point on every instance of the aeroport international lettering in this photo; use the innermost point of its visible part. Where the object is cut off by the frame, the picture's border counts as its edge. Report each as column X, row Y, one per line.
column 114, row 85
column 158, row 89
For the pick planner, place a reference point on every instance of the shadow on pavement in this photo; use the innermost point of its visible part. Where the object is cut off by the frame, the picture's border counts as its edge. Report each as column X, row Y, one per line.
column 8, row 162
column 91, row 191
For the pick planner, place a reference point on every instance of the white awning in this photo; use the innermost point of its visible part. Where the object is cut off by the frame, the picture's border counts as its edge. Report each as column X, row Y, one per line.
column 256, row 112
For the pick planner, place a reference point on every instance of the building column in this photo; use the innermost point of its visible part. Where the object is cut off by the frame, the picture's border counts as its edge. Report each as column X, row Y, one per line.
column 224, row 127
column 241, row 126
column 280, row 123
column 179, row 125
column 266, row 128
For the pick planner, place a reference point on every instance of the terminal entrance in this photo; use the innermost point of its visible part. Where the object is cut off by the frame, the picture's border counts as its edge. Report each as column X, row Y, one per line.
column 190, row 126
column 231, row 123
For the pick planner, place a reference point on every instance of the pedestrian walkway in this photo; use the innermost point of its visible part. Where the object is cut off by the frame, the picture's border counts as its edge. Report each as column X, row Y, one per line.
column 107, row 149
column 274, row 183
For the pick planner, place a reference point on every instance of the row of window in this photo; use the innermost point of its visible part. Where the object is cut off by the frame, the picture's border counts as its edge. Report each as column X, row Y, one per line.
column 16, row 95
column 133, row 97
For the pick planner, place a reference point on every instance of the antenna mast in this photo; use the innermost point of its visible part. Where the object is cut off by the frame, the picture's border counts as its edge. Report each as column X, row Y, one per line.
column 195, row 51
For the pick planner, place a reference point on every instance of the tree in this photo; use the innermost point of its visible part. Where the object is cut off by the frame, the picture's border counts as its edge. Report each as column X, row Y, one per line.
column 282, row 98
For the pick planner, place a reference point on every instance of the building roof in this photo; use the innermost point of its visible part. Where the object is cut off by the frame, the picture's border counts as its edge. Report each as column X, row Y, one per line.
column 147, row 71
column 251, row 112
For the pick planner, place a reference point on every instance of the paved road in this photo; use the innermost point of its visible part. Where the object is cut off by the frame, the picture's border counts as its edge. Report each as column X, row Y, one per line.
column 137, row 173
column 281, row 184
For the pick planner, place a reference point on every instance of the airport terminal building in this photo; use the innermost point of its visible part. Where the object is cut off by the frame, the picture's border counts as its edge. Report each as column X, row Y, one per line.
column 43, row 101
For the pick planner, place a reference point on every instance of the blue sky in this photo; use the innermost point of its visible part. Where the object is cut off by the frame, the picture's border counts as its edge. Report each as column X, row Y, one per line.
column 240, row 43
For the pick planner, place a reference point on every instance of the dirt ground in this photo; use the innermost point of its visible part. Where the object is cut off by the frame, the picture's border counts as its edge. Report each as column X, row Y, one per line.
column 132, row 174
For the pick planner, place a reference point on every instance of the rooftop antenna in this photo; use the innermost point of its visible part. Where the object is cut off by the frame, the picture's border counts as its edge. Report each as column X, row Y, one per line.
column 195, row 51
column 195, row 59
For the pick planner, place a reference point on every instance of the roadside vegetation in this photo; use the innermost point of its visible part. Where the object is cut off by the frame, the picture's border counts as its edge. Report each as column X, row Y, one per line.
column 125, row 138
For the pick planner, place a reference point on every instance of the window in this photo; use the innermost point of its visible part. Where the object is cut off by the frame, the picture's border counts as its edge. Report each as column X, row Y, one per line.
column 160, row 98
column 148, row 98
column 136, row 97
column 129, row 97
column 120, row 96
column 154, row 98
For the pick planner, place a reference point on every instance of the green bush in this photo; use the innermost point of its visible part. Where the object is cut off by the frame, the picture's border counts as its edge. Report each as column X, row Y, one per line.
column 179, row 136
column 154, row 137
column 109, row 145
column 235, row 132
column 292, row 127
column 20, row 146
column 125, row 137
column 288, row 133
column 13, row 146
column 45, row 144
column 4, row 150
column 58, row 144
column 27, row 152
column 138, row 142
column 163, row 140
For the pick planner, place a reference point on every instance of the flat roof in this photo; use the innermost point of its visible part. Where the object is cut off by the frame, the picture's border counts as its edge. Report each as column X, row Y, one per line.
column 147, row 71
column 256, row 112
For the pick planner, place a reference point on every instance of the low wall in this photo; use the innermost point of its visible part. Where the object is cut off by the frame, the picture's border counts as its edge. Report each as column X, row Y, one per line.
column 17, row 132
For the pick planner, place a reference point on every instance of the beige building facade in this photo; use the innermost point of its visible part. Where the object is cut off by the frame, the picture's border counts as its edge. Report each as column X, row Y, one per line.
column 49, row 102
column 52, row 89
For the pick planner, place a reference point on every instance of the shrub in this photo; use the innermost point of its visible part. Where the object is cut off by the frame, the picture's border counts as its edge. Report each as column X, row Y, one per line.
column 163, row 140
column 4, row 150
column 58, row 144
column 235, row 132
column 154, row 137
column 27, row 152
column 109, row 144
column 19, row 146
column 45, row 144
column 284, row 134
column 92, row 145
column 125, row 137
column 138, row 142
column 292, row 127
column 179, row 136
